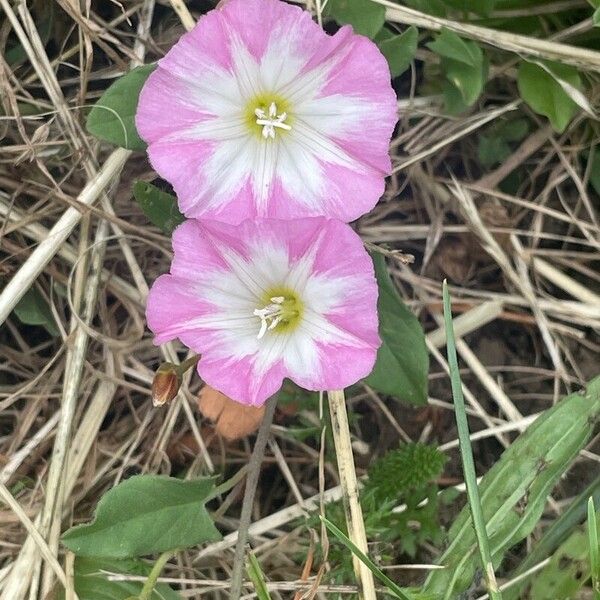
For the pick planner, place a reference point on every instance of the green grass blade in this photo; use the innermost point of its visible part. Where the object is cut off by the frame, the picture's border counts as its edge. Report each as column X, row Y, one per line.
column 377, row 572
column 256, row 575
column 466, row 453
column 594, row 548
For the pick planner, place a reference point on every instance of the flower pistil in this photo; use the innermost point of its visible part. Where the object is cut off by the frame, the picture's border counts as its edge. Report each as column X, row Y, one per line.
column 271, row 120
column 280, row 313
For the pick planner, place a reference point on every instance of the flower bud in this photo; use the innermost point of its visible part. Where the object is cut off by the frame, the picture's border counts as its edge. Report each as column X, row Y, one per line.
column 165, row 384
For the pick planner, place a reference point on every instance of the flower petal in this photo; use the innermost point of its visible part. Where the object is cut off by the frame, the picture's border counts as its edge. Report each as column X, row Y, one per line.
column 194, row 114
column 221, row 275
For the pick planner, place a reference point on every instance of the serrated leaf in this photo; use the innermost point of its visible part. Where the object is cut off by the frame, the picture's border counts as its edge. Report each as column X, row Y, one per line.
column 92, row 583
column 399, row 50
column 366, row 17
column 407, row 468
column 160, row 207
column 402, row 360
column 514, row 491
column 541, row 90
column 145, row 515
column 112, row 118
column 33, row 309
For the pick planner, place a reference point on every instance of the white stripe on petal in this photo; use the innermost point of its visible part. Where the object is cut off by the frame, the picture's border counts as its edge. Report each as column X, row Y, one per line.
column 217, row 92
column 319, row 144
column 336, row 115
column 300, row 172
column 279, row 64
column 308, row 84
column 271, row 350
column 264, row 173
column 230, row 127
column 246, row 69
column 302, row 356
column 320, row 329
column 301, row 272
column 269, row 260
column 227, row 170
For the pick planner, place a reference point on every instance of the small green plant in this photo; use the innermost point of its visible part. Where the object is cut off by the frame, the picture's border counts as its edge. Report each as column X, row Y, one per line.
column 400, row 507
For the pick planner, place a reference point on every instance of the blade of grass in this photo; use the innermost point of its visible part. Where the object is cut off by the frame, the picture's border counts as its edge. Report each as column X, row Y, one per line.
column 377, row 572
column 466, row 453
column 594, row 548
column 256, row 575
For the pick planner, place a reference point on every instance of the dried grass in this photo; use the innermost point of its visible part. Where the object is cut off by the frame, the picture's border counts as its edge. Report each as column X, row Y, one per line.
column 75, row 411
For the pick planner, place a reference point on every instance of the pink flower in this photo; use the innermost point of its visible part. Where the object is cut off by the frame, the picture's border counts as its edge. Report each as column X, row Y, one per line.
column 269, row 299
column 258, row 112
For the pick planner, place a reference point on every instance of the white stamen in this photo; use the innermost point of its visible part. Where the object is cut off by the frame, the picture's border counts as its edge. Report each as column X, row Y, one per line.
column 270, row 316
column 272, row 121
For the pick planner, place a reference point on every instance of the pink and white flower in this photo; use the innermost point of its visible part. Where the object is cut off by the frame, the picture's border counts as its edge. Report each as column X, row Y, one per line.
column 269, row 299
column 257, row 112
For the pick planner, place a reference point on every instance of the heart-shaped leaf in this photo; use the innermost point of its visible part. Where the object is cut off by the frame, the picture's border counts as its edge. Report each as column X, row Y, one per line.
column 145, row 515
column 112, row 118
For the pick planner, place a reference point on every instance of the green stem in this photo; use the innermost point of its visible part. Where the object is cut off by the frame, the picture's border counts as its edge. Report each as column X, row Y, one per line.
column 466, row 453
column 229, row 484
column 188, row 363
column 150, row 584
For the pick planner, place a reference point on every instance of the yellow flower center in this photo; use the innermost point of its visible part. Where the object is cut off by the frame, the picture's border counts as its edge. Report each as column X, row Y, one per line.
column 280, row 312
column 268, row 115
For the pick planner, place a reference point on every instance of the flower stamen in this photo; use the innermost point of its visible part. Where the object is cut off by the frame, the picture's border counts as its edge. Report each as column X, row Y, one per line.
column 280, row 310
column 271, row 121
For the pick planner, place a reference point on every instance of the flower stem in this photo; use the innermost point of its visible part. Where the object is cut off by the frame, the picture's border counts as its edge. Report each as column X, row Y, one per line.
column 349, row 485
column 148, row 588
column 251, row 483
column 188, row 363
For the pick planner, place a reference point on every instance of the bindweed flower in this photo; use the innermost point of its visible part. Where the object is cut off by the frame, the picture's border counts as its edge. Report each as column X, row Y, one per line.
column 269, row 299
column 257, row 112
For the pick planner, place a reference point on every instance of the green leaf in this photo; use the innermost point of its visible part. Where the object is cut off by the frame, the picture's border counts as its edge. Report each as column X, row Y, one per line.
column 514, row 491
column 553, row 537
column 465, row 69
column 479, row 7
column 593, row 546
column 258, row 579
column 160, row 207
column 409, row 467
column 449, row 45
column 567, row 571
column 144, row 515
column 402, row 360
column 493, row 147
column 112, row 118
column 596, row 18
column 399, row 50
column 366, row 17
column 92, row 583
column 33, row 309
column 545, row 95
column 594, row 169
